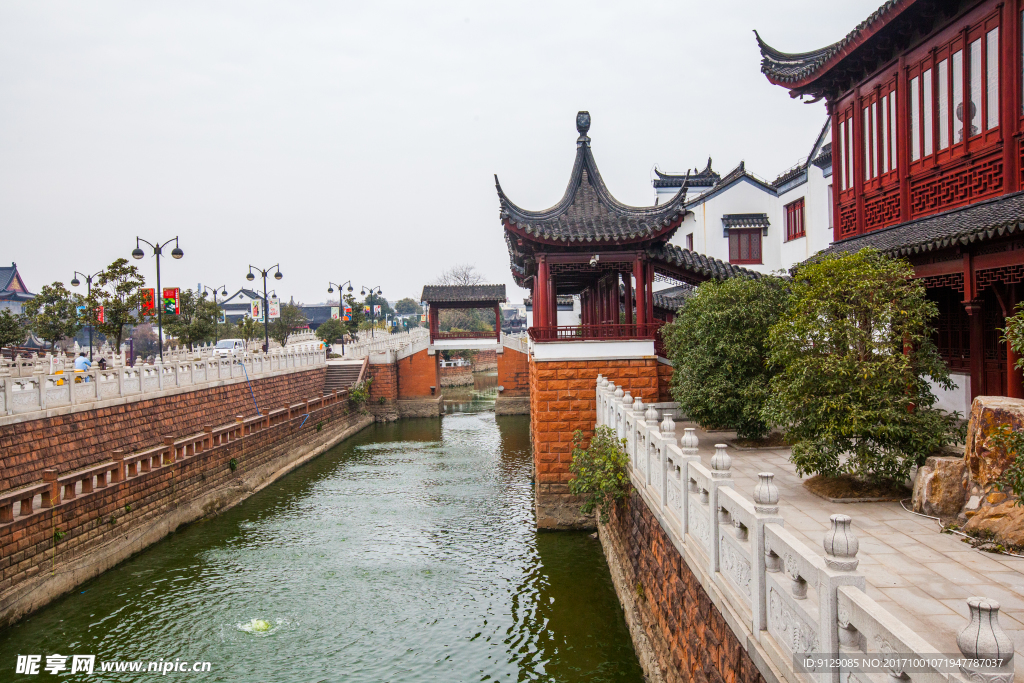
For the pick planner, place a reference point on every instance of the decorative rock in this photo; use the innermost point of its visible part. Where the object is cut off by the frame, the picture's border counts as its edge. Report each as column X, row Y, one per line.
column 985, row 462
column 984, row 638
column 841, row 544
column 720, row 462
column 766, row 494
column 1004, row 522
column 940, row 488
column 689, row 441
column 651, row 416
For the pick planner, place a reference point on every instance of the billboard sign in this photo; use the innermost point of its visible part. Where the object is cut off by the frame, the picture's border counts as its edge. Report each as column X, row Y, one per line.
column 256, row 309
column 148, row 301
column 172, row 300
column 275, row 307
column 334, row 313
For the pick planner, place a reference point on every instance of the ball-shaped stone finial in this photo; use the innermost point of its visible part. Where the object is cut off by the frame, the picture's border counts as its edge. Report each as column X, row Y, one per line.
column 602, row 381
column 651, row 416
column 983, row 637
column 841, row 545
column 720, row 462
column 668, row 426
column 618, row 392
column 766, row 494
column 638, row 405
column 689, row 441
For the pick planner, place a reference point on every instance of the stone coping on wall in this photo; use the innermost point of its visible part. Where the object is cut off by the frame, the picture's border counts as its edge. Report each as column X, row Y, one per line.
column 779, row 597
column 599, row 349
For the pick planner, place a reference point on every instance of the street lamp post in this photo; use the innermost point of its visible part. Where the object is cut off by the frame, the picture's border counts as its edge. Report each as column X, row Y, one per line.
column 364, row 292
column 88, row 285
column 224, row 292
column 341, row 305
column 266, row 310
column 158, row 297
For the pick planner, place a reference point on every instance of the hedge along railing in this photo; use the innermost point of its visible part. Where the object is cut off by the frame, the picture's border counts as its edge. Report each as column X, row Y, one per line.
column 790, row 600
column 43, row 391
column 56, row 489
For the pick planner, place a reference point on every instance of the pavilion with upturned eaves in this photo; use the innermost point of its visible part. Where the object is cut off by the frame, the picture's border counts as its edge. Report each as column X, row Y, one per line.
column 592, row 246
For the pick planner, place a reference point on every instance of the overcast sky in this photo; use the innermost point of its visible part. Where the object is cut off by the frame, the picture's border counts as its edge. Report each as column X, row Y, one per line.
column 359, row 140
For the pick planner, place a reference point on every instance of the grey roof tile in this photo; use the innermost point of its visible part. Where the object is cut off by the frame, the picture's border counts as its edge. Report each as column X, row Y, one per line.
column 698, row 263
column 456, row 293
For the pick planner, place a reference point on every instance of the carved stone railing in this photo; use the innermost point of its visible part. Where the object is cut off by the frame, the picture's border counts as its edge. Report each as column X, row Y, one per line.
column 385, row 342
column 790, row 601
column 44, row 390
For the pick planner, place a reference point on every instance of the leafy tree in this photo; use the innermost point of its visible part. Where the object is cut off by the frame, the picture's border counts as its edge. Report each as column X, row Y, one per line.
column 855, row 353
column 53, row 313
column 331, row 330
column 249, row 329
column 292, row 318
column 599, row 470
column 460, row 274
column 464, row 319
column 718, row 343
column 119, row 291
column 372, row 300
column 144, row 342
column 195, row 322
column 12, row 329
column 407, row 306
column 357, row 314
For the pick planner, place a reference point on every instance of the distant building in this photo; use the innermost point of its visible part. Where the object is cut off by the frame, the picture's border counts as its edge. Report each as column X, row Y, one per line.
column 239, row 304
column 13, row 292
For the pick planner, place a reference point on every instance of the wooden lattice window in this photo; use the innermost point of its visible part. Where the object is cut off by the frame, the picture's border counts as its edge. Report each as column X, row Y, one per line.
column 795, row 219
column 745, row 246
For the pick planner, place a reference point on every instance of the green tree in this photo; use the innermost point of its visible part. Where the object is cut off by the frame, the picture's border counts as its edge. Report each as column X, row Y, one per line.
column 718, row 344
column 249, row 329
column 407, row 306
column 53, row 314
column 12, row 329
column 330, row 330
column 855, row 353
column 599, row 470
column 194, row 323
column 292, row 318
column 119, row 290
column 357, row 314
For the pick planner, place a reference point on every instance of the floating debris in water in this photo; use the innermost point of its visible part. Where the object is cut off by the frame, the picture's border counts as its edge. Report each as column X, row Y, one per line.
column 260, row 627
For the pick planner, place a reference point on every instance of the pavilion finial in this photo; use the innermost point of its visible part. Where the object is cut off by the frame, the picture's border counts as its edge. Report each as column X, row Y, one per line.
column 583, row 125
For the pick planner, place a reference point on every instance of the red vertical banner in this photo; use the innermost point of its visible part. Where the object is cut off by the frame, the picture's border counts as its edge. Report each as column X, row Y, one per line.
column 148, row 301
column 171, row 301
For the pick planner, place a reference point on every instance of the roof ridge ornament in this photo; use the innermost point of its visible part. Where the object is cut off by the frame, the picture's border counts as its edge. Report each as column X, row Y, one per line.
column 583, row 125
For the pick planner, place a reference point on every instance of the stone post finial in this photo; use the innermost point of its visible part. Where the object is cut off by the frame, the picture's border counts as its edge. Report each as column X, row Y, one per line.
column 651, row 416
column 841, row 544
column 766, row 494
column 984, row 638
column 601, row 381
column 627, row 400
column 720, row 462
column 618, row 392
column 638, row 404
column 689, row 441
column 668, row 426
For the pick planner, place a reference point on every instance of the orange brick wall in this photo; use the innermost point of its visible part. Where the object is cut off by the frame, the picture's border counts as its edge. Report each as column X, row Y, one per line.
column 664, row 381
column 514, row 373
column 562, row 400
column 416, row 374
column 385, row 383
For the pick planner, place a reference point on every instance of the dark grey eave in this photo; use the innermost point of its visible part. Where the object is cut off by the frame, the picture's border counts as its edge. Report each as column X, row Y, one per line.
column 699, row 264
column 745, row 220
column 463, row 293
column 978, row 222
column 705, row 178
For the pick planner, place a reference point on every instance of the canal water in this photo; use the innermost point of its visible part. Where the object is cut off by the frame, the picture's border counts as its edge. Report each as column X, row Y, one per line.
column 406, row 553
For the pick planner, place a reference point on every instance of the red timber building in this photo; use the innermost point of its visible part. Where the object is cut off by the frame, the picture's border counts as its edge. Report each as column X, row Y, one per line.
column 610, row 255
column 925, row 102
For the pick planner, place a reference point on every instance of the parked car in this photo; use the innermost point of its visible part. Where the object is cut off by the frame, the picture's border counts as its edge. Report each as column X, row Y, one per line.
column 229, row 347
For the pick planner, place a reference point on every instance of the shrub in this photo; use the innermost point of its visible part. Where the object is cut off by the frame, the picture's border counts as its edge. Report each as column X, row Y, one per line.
column 855, row 352
column 359, row 394
column 600, row 470
column 718, row 343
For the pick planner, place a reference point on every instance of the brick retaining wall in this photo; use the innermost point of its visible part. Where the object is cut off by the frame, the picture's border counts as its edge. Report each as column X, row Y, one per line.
column 457, row 376
column 562, row 400
column 80, row 439
column 100, row 530
column 681, row 636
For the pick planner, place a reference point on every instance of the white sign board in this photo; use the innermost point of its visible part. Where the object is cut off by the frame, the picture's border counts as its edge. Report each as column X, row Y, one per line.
column 275, row 308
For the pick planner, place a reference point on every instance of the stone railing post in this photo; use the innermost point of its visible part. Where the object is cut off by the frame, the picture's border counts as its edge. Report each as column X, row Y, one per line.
column 616, row 424
column 649, row 419
column 983, row 638
column 666, row 438
column 766, row 511
column 688, row 446
column 117, row 473
column 721, row 463
column 841, row 546
column 51, row 496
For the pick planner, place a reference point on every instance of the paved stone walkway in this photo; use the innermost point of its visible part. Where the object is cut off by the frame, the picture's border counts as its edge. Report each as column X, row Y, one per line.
column 921, row 576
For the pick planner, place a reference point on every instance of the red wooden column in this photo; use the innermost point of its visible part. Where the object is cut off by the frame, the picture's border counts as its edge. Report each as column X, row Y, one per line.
column 433, row 320
column 975, row 312
column 616, row 298
column 552, row 300
column 649, row 295
column 857, row 155
column 628, row 281
column 641, row 289
column 497, row 322
column 903, row 140
column 540, row 293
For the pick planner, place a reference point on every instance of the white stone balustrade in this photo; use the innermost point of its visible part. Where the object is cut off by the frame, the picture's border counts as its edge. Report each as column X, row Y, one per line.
column 384, row 341
column 779, row 597
column 43, row 389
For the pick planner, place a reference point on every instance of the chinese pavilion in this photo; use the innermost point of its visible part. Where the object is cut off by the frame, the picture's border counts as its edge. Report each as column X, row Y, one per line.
column 925, row 102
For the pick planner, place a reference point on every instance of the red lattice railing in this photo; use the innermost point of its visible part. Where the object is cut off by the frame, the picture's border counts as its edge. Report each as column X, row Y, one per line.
column 595, row 332
column 465, row 334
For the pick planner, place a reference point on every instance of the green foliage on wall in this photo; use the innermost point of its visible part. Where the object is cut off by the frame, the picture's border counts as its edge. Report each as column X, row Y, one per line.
column 599, row 471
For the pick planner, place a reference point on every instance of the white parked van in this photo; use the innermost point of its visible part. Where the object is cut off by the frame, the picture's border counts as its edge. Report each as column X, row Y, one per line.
column 229, row 347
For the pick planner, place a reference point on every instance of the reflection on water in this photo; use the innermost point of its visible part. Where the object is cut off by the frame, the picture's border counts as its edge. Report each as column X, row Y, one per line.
column 408, row 553
column 481, row 396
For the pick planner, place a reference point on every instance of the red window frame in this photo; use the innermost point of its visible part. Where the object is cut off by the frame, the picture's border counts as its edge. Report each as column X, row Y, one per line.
column 745, row 246
column 795, row 225
column 689, row 241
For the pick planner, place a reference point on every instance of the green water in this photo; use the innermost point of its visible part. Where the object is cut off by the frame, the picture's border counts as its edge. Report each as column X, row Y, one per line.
column 407, row 553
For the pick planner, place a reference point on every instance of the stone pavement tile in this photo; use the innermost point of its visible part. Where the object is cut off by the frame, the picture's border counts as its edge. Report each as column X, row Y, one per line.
column 957, row 573
column 1009, row 602
column 917, row 600
column 881, row 577
column 940, row 589
column 1012, row 580
column 901, row 564
column 871, row 544
column 974, row 560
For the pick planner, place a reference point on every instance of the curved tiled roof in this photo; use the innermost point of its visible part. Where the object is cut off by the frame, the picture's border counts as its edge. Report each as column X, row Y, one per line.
column 460, row 293
column 745, row 220
column 699, row 264
column 705, row 178
column 974, row 223
column 673, row 298
column 791, row 68
column 588, row 212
